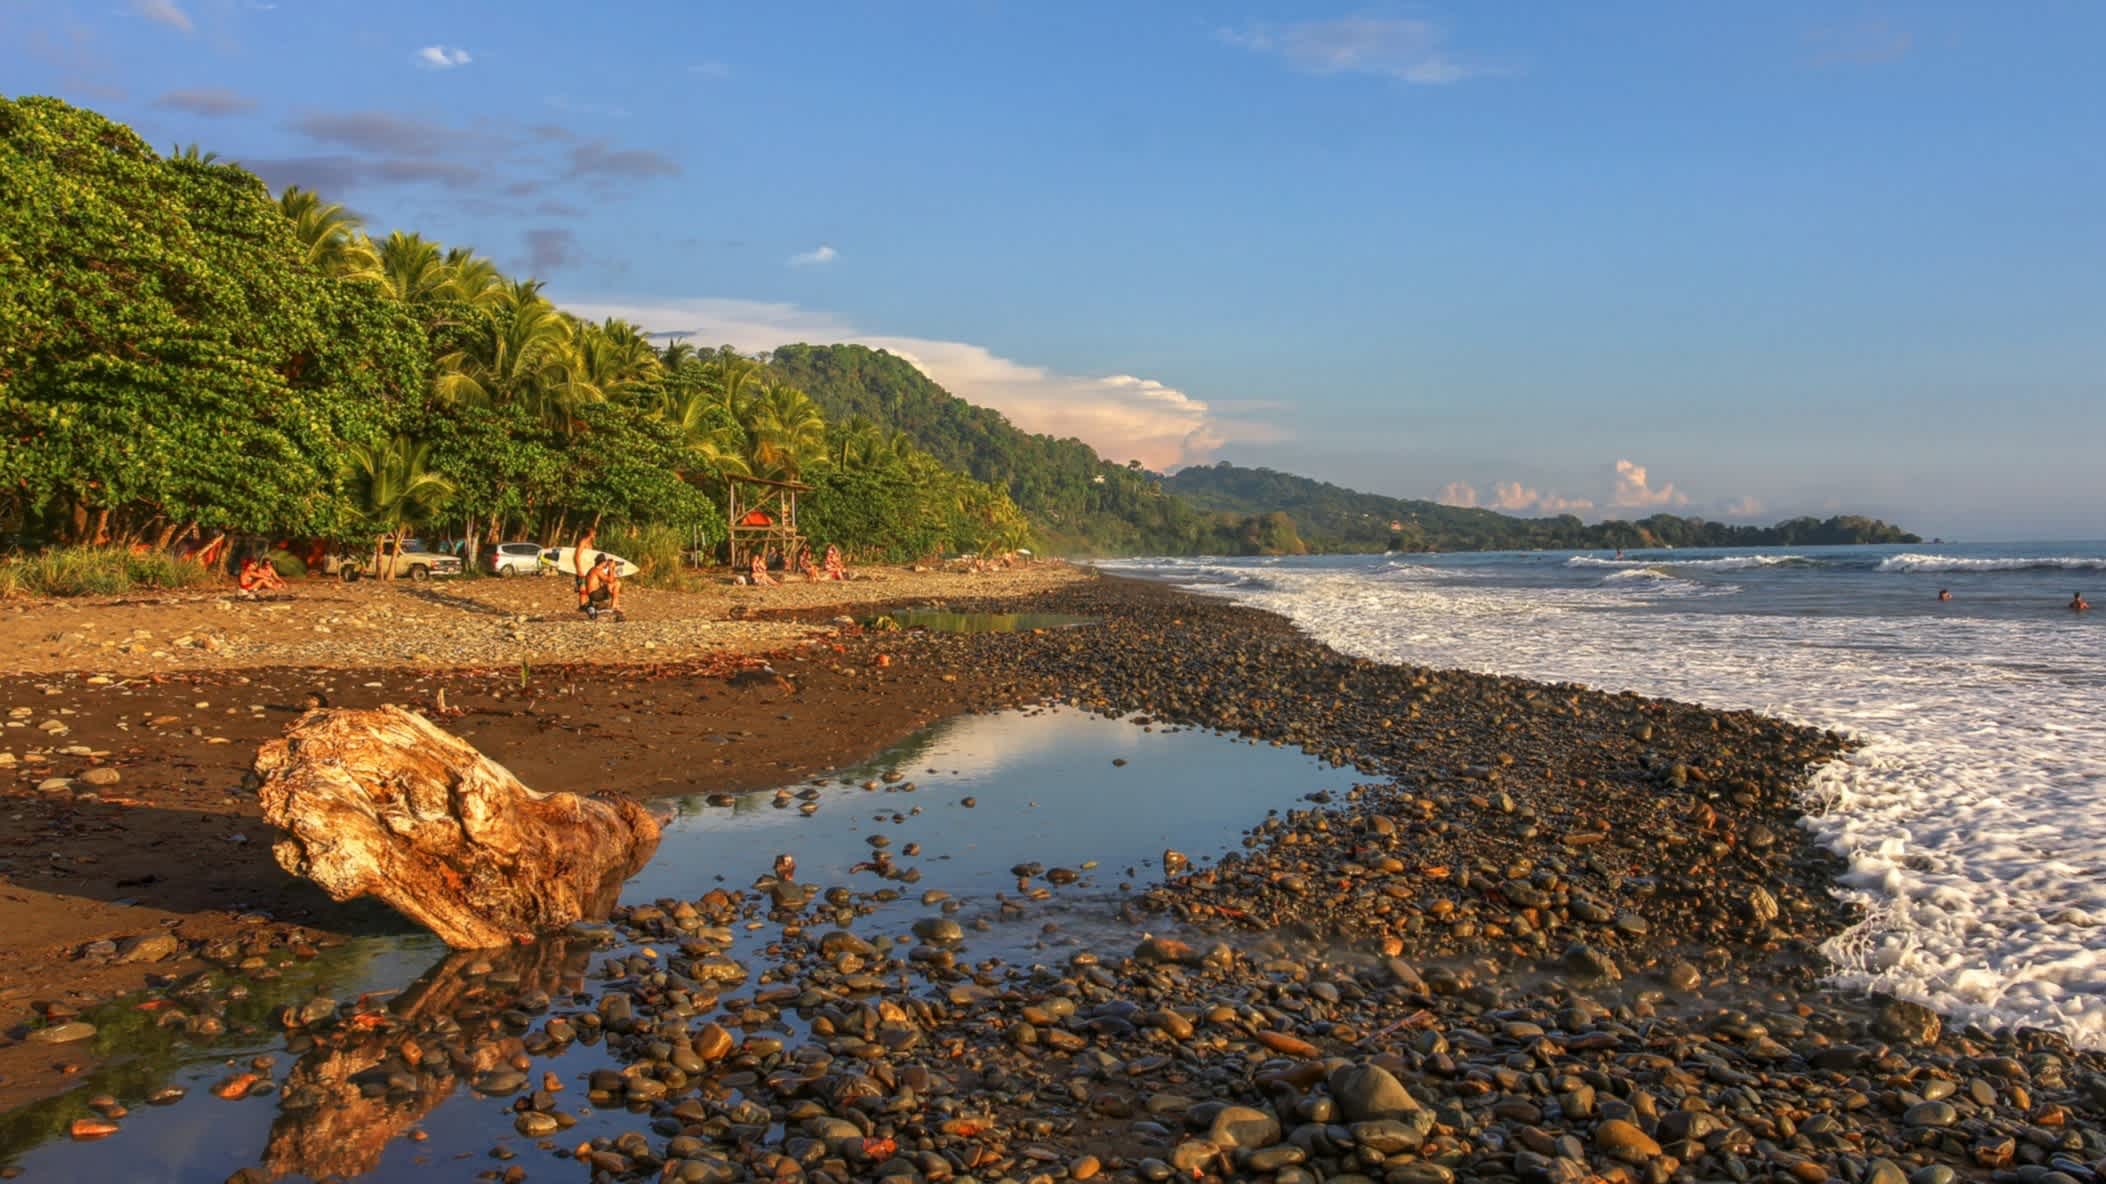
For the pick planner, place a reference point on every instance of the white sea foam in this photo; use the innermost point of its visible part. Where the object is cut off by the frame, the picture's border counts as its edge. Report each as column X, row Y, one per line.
column 1973, row 818
column 1721, row 563
column 1914, row 562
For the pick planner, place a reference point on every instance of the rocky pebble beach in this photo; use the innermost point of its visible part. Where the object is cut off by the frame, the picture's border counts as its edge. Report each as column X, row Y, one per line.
column 1550, row 935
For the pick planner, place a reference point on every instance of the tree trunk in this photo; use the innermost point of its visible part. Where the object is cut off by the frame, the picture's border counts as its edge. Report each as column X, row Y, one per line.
column 382, row 803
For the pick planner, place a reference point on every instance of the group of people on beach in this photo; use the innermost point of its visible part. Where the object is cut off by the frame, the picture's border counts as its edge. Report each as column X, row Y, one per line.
column 831, row 568
column 597, row 576
column 2077, row 603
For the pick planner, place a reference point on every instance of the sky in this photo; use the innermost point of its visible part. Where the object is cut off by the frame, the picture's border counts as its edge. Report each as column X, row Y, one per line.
column 1742, row 261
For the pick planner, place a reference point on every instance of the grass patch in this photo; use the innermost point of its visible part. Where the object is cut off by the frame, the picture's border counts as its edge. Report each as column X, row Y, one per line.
column 95, row 571
column 658, row 553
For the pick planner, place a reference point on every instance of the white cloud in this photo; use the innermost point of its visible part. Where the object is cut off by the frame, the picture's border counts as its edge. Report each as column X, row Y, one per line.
column 1747, row 507
column 163, row 12
column 1458, row 493
column 821, row 254
column 1123, row 416
column 1516, row 498
column 1408, row 50
column 1633, row 489
column 440, row 57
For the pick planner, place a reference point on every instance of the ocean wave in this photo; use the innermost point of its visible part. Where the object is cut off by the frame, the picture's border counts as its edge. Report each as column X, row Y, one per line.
column 1914, row 562
column 1722, row 563
column 1969, row 819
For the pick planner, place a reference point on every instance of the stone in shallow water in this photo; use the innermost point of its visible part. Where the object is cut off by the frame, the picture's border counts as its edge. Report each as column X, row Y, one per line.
column 66, row 1033
column 1908, row 1023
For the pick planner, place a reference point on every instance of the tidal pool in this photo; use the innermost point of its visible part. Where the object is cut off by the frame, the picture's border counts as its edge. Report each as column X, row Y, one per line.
column 429, row 1097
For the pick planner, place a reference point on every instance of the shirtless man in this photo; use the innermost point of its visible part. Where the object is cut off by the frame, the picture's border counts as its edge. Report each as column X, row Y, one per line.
column 603, row 589
column 2078, row 604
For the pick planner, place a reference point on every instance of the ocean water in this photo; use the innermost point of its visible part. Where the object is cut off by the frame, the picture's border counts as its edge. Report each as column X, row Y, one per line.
column 1973, row 819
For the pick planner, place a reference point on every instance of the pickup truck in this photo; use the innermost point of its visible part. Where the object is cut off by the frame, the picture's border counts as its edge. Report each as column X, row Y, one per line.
column 412, row 562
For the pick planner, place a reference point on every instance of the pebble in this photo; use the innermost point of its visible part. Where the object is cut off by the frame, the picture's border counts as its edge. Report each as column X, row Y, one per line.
column 70, row 1032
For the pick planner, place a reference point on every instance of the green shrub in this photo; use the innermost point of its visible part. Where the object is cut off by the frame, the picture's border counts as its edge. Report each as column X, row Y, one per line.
column 95, row 571
column 657, row 551
column 288, row 565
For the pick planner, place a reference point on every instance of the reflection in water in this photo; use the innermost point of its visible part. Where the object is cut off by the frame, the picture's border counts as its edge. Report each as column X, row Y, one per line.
column 375, row 1073
column 964, row 806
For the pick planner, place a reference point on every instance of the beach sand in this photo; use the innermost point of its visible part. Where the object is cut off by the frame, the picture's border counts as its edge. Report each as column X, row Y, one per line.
column 1579, row 927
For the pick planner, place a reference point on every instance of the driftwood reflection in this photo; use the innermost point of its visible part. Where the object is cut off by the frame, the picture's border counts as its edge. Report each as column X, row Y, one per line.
column 373, row 1074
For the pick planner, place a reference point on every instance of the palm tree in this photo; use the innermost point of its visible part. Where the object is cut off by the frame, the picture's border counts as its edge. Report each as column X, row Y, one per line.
column 602, row 362
column 473, row 279
column 715, row 446
column 192, row 154
column 858, row 444
column 393, row 485
column 330, row 235
column 731, row 375
column 783, row 429
column 413, row 269
column 520, row 359
column 677, row 354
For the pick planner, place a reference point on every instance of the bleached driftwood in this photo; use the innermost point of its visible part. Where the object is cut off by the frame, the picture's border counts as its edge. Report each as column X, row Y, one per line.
column 383, row 803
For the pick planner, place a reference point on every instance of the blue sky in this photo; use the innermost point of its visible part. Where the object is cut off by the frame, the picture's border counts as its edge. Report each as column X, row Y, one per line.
column 1611, row 257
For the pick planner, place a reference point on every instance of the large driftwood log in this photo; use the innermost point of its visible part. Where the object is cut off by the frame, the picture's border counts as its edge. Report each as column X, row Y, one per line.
column 382, row 803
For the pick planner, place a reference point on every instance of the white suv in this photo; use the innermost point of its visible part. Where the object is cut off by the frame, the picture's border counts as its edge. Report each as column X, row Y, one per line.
column 514, row 559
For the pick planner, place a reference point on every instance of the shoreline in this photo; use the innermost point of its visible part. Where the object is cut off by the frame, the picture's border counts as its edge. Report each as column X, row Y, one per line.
column 1525, row 841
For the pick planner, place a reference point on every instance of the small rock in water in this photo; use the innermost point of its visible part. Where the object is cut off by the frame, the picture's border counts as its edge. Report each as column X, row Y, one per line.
column 1908, row 1023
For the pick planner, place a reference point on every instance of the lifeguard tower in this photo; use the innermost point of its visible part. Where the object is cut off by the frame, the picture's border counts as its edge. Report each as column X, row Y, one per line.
column 763, row 517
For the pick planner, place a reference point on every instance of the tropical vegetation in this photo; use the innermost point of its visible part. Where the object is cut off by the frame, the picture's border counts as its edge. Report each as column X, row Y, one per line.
column 185, row 356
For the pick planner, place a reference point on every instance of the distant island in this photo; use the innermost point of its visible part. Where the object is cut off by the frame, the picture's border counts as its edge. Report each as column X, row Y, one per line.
column 1284, row 514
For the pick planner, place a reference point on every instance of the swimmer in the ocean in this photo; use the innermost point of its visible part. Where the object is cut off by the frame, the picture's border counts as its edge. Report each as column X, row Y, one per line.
column 2078, row 604
column 1945, row 594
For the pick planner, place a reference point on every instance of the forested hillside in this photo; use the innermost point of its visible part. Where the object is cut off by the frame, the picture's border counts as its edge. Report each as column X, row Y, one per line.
column 1333, row 518
column 1077, row 501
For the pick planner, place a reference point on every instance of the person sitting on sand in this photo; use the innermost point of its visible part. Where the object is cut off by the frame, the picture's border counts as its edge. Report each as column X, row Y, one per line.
column 808, row 565
column 603, row 589
column 761, row 578
column 835, row 570
column 1944, row 594
column 2078, row 604
column 258, row 577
